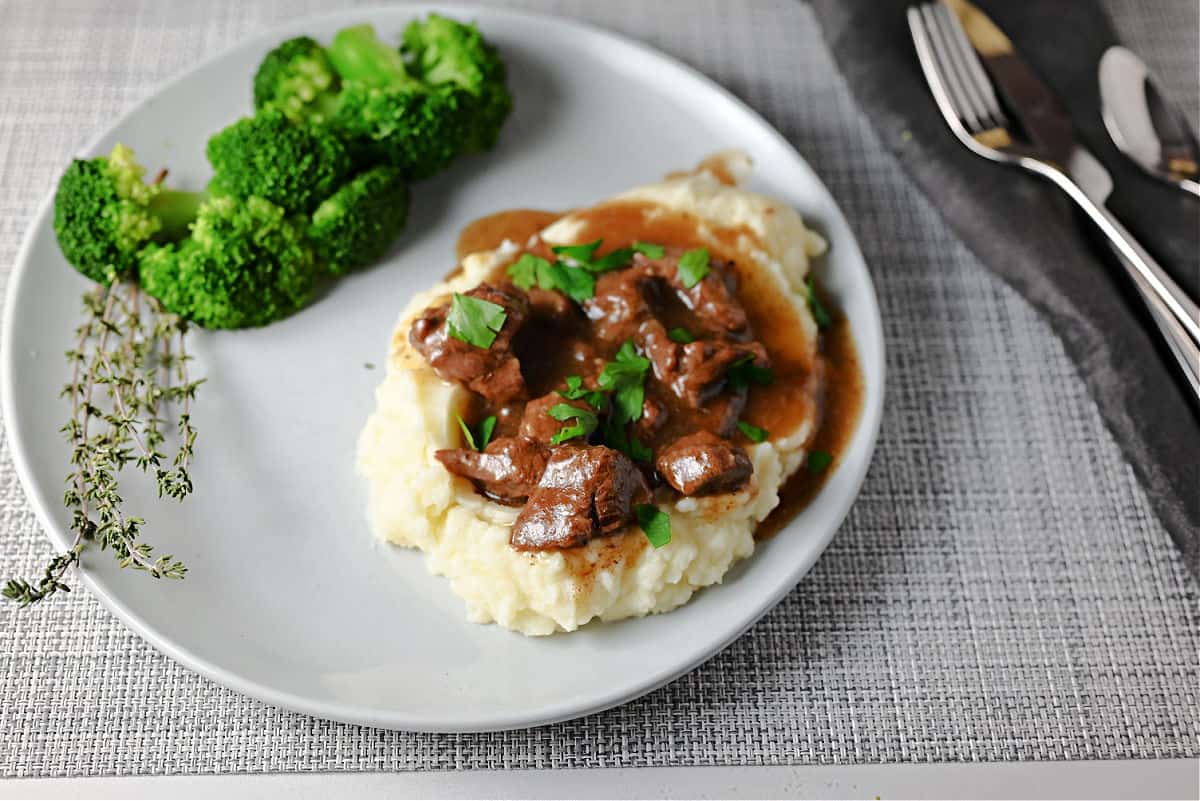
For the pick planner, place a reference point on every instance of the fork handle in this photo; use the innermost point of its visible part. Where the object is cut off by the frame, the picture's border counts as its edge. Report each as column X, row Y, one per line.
column 1147, row 273
column 1186, row 352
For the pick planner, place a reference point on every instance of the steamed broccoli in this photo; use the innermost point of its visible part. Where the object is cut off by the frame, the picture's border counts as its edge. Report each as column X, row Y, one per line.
column 295, row 166
column 443, row 51
column 356, row 225
column 104, row 213
column 246, row 264
column 418, row 117
column 297, row 79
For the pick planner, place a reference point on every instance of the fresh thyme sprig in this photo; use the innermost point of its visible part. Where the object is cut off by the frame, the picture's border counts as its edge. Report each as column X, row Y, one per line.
column 134, row 354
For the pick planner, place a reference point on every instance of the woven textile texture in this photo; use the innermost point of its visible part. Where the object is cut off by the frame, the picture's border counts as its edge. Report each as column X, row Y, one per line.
column 1000, row 591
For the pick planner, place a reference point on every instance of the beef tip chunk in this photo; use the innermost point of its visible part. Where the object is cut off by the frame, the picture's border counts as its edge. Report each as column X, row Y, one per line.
column 537, row 423
column 713, row 300
column 508, row 469
column 704, row 464
column 586, row 491
column 550, row 305
column 494, row 373
column 695, row 372
column 618, row 305
column 654, row 417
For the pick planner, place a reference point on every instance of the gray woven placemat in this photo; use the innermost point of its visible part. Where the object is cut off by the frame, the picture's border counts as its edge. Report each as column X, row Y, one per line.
column 1001, row 589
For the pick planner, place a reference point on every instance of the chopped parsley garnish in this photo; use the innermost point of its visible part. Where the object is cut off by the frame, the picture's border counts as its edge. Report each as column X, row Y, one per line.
column 524, row 271
column 474, row 321
column 575, row 391
column 585, row 422
column 650, row 249
column 486, row 427
column 655, row 523
column 820, row 314
column 577, row 283
column 616, row 438
column 625, row 378
column 745, row 372
column 753, row 433
column 681, row 335
column 580, row 253
column 693, row 266
column 819, row 461
column 621, row 257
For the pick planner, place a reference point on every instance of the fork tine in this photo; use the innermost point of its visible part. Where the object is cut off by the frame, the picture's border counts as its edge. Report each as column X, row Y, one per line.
column 932, row 70
column 974, row 76
column 951, row 32
column 940, row 48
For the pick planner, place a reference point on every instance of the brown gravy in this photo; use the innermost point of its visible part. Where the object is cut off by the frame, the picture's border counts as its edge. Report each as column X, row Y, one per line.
column 778, row 408
column 839, row 413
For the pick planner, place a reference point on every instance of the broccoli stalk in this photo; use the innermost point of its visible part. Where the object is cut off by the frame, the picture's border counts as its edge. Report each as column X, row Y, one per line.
column 104, row 213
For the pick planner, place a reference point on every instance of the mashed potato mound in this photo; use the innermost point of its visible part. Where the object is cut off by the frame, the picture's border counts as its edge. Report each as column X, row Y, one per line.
column 414, row 502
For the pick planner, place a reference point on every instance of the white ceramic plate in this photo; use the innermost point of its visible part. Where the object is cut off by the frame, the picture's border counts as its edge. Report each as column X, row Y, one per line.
column 288, row 598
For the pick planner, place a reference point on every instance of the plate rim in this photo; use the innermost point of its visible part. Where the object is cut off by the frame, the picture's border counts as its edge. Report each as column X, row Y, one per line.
column 869, row 423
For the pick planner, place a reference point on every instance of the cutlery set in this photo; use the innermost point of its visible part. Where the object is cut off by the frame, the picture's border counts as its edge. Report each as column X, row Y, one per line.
column 999, row 108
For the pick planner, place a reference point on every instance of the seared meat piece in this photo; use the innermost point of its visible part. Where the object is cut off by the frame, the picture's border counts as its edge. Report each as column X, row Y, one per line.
column 618, row 305
column 585, row 491
column 495, row 373
column 550, row 305
column 537, row 422
column 704, row 464
column 713, row 299
column 695, row 372
column 654, row 417
column 508, row 469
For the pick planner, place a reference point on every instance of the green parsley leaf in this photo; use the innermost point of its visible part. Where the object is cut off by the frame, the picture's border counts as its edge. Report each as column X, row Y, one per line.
column 474, row 321
column 585, row 422
column 744, row 372
column 693, row 266
column 753, row 433
column 621, row 257
column 486, row 427
column 819, row 461
column 681, row 335
column 625, row 378
column 524, row 271
column 580, row 253
column 575, row 391
column 655, row 523
column 820, row 314
column 577, row 283
column 616, row 438
column 466, row 432
column 650, row 249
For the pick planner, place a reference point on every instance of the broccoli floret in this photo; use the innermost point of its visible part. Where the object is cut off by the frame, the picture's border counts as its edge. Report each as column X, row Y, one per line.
column 444, row 51
column 417, row 131
column 355, row 226
column 104, row 213
column 390, row 116
column 295, row 166
column 246, row 264
column 297, row 79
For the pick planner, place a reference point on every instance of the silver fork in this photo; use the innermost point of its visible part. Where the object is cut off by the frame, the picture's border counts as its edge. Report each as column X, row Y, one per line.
column 968, row 101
